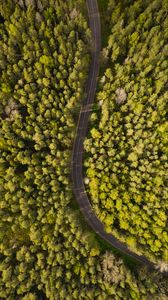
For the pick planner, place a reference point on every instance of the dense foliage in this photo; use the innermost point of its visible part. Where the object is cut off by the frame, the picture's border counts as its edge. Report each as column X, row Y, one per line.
column 126, row 163
column 46, row 251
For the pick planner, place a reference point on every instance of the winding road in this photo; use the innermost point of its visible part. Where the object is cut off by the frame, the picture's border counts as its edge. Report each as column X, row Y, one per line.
column 82, row 127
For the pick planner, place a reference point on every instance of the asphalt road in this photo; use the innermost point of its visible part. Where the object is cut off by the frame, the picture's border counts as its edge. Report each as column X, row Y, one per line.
column 82, row 127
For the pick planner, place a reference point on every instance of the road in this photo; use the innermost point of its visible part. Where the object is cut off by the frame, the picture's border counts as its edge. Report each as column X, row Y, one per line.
column 82, row 127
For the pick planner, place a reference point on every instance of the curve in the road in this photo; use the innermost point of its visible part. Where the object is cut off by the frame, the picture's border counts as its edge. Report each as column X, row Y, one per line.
column 82, row 126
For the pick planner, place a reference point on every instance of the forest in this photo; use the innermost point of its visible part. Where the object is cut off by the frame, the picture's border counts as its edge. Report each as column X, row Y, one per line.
column 47, row 251
column 126, row 161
